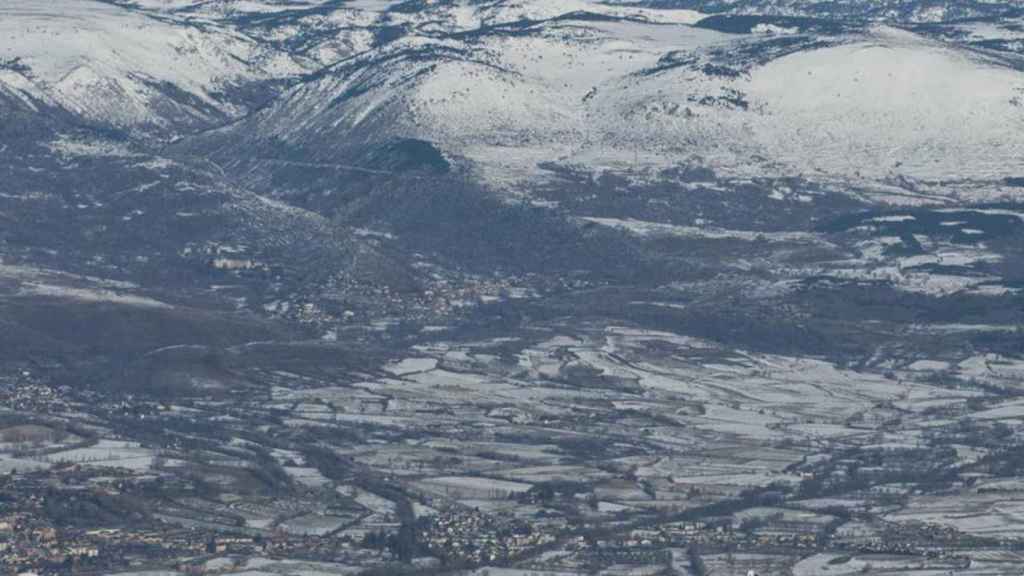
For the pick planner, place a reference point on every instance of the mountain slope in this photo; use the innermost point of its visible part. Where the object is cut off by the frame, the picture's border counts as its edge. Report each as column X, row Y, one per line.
column 505, row 90
column 629, row 92
column 119, row 68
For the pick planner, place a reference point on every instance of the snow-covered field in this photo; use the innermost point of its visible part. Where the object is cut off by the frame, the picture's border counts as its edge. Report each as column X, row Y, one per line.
column 313, row 524
column 470, row 487
column 994, row 514
column 108, row 453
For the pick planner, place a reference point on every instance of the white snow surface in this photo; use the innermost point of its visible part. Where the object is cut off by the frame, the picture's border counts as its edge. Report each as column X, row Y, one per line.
column 891, row 103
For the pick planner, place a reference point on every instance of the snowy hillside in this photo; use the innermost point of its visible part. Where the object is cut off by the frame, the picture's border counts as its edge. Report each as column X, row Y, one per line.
column 509, row 90
column 506, row 87
column 119, row 68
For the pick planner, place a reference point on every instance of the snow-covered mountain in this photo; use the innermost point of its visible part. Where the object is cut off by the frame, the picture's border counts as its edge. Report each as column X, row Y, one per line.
column 502, row 88
column 121, row 68
column 507, row 90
